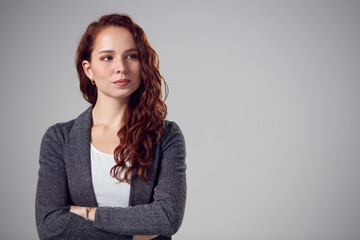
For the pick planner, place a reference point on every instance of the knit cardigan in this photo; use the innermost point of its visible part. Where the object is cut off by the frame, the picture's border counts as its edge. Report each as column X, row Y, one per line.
column 155, row 207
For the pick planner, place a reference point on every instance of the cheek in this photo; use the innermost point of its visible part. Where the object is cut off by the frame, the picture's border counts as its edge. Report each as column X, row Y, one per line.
column 137, row 69
column 100, row 70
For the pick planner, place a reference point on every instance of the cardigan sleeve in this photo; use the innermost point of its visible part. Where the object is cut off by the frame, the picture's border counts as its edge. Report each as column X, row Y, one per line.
column 164, row 215
column 53, row 220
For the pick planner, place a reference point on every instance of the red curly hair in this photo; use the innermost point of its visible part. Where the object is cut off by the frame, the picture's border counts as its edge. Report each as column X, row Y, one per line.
column 144, row 118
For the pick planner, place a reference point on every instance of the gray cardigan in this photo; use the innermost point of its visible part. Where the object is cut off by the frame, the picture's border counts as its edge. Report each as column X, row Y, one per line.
column 155, row 207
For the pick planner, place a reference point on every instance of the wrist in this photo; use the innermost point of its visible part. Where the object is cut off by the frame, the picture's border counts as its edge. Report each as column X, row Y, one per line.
column 90, row 213
column 87, row 212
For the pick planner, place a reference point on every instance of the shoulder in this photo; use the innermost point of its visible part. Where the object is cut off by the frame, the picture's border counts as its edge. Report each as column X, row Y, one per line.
column 173, row 136
column 171, row 130
column 61, row 131
column 55, row 137
column 53, row 142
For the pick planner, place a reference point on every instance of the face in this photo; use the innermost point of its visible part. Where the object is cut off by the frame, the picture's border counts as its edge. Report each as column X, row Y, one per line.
column 115, row 64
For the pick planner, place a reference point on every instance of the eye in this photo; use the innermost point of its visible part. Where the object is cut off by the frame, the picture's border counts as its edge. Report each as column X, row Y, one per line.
column 107, row 58
column 133, row 56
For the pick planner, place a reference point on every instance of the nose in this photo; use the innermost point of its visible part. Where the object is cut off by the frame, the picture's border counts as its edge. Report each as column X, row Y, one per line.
column 120, row 66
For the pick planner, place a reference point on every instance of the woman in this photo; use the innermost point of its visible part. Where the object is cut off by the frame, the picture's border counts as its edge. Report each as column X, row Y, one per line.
column 117, row 171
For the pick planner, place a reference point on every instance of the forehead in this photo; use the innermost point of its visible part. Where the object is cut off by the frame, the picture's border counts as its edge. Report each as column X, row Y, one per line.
column 114, row 37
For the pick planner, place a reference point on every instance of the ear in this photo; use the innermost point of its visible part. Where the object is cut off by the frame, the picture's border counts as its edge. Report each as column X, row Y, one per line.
column 87, row 69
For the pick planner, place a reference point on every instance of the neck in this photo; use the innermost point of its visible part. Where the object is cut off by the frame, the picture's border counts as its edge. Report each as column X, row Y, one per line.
column 109, row 112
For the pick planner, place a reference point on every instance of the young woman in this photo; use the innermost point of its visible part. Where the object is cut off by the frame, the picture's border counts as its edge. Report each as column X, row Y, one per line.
column 117, row 171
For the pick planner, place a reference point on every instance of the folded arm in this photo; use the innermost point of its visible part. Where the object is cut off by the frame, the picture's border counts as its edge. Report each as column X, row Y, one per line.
column 161, row 217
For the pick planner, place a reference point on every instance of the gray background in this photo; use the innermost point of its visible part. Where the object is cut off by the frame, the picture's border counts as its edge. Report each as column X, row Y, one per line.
column 266, row 93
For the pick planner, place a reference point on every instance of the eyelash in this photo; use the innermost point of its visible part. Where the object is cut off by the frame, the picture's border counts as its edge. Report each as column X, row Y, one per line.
column 133, row 56
column 107, row 58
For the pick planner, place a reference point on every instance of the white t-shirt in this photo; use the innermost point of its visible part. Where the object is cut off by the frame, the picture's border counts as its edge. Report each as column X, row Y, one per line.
column 108, row 191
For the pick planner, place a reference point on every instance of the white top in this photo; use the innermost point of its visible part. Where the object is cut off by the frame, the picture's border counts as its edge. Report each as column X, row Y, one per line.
column 108, row 191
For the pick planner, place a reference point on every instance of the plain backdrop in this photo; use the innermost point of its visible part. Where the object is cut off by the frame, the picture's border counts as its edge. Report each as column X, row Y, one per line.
column 265, row 92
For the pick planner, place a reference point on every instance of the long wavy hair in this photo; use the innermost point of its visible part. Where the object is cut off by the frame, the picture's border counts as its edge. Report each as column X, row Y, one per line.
column 144, row 118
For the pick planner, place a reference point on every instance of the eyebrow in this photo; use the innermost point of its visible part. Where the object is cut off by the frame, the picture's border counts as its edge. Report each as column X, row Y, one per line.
column 112, row 51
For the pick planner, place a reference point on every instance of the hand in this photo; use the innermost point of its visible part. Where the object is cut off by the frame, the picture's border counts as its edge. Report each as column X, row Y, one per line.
column 144, row 237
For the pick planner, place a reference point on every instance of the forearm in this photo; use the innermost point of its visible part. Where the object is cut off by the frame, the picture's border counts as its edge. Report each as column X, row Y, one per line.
column 58, row 223
column 147, row 219
column 88, row 213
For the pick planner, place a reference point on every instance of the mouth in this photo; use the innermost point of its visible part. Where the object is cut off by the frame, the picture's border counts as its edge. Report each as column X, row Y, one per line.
column 122, row 82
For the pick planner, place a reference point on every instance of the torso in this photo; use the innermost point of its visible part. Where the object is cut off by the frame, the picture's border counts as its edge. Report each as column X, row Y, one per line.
column 103, row 139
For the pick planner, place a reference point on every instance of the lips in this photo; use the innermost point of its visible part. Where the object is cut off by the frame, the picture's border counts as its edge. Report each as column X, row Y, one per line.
column 122, row 82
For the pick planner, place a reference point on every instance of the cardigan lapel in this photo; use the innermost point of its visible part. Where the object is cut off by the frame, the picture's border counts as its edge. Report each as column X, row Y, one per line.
column 79, row 167
column 141, row 192
column 79, row 163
